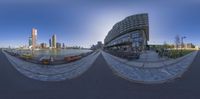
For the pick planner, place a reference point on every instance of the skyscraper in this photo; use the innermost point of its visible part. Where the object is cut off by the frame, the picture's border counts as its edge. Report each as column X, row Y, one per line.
column 63, row 45
column 58, row 45
column 50, row 44
column 54, row 41
column 34, row 38
column 43, row 45
column 30, row 41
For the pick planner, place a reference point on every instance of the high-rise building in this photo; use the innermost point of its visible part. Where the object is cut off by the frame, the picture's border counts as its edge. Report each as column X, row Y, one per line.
column 50, row 44
column 58, row 45
column 43, row 45
column 99, row 45
column 34, row 38
column 30, row 41
column 54, row 41
column 63, row 45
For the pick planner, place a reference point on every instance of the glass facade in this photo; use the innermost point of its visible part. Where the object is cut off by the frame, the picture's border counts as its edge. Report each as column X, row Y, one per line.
column 130, row 41
column 129, row 35
column 137, row 39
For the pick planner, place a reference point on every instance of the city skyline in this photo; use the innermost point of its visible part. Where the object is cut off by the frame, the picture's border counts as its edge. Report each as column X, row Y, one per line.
column 81, row 25
column 33, row 44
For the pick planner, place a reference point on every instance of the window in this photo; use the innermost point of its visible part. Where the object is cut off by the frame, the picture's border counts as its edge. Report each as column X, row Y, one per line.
column 137, row 39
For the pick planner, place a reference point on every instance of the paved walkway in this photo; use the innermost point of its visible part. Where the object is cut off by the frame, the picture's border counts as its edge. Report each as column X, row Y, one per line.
column 150, row 75
column 53, row 72
column 150, row 64
column 96, row 83
column 150, row 56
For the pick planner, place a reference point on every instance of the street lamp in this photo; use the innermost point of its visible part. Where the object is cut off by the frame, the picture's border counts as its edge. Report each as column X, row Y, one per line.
column 182, row 43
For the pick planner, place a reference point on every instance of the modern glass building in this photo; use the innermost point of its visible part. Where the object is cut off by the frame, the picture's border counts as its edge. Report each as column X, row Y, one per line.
column 50, row 44
column 30, row 41
column 58, row 45
column 129, row 35
column 54, row 41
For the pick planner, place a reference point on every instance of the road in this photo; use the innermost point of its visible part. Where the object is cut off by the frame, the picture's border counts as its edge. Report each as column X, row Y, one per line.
column 97, row 83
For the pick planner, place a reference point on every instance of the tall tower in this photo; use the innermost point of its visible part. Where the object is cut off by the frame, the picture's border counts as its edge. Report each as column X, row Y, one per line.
column 34, row 38
column 50, row 44
column 54, row 41
column 30, row 41
column 63, row 46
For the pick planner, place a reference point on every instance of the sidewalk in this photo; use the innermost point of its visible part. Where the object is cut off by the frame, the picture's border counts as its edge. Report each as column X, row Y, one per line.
column 150, row 56
column 53, row 72
column 148, row 73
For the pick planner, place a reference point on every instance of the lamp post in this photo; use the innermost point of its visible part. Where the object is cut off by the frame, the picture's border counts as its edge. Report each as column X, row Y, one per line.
column 182, row 43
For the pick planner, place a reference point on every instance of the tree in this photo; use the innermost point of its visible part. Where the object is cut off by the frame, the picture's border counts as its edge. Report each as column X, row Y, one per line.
column 165, row 45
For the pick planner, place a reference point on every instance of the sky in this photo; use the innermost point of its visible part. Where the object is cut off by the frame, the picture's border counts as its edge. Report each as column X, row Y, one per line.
column 84, row 22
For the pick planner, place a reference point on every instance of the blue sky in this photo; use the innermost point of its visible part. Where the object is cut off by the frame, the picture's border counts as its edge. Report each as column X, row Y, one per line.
column 84, row 22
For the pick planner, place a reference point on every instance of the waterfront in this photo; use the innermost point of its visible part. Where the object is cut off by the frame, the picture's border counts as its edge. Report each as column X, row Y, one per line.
column 98, row 82
column 94, row 49
column 55, row 70
column 58, row 53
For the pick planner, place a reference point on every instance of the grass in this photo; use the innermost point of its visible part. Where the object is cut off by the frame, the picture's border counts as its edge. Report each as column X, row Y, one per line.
column 178, row 53
column 174, row 53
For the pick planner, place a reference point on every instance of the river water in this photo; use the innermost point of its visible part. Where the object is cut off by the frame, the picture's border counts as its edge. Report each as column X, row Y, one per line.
column 55, row 52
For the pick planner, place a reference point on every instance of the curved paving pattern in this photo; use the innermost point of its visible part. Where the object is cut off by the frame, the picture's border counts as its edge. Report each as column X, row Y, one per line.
column 149, row 73
column 53, row 72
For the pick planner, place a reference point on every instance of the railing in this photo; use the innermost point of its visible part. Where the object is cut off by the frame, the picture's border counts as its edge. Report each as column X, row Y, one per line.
column 46, row 61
